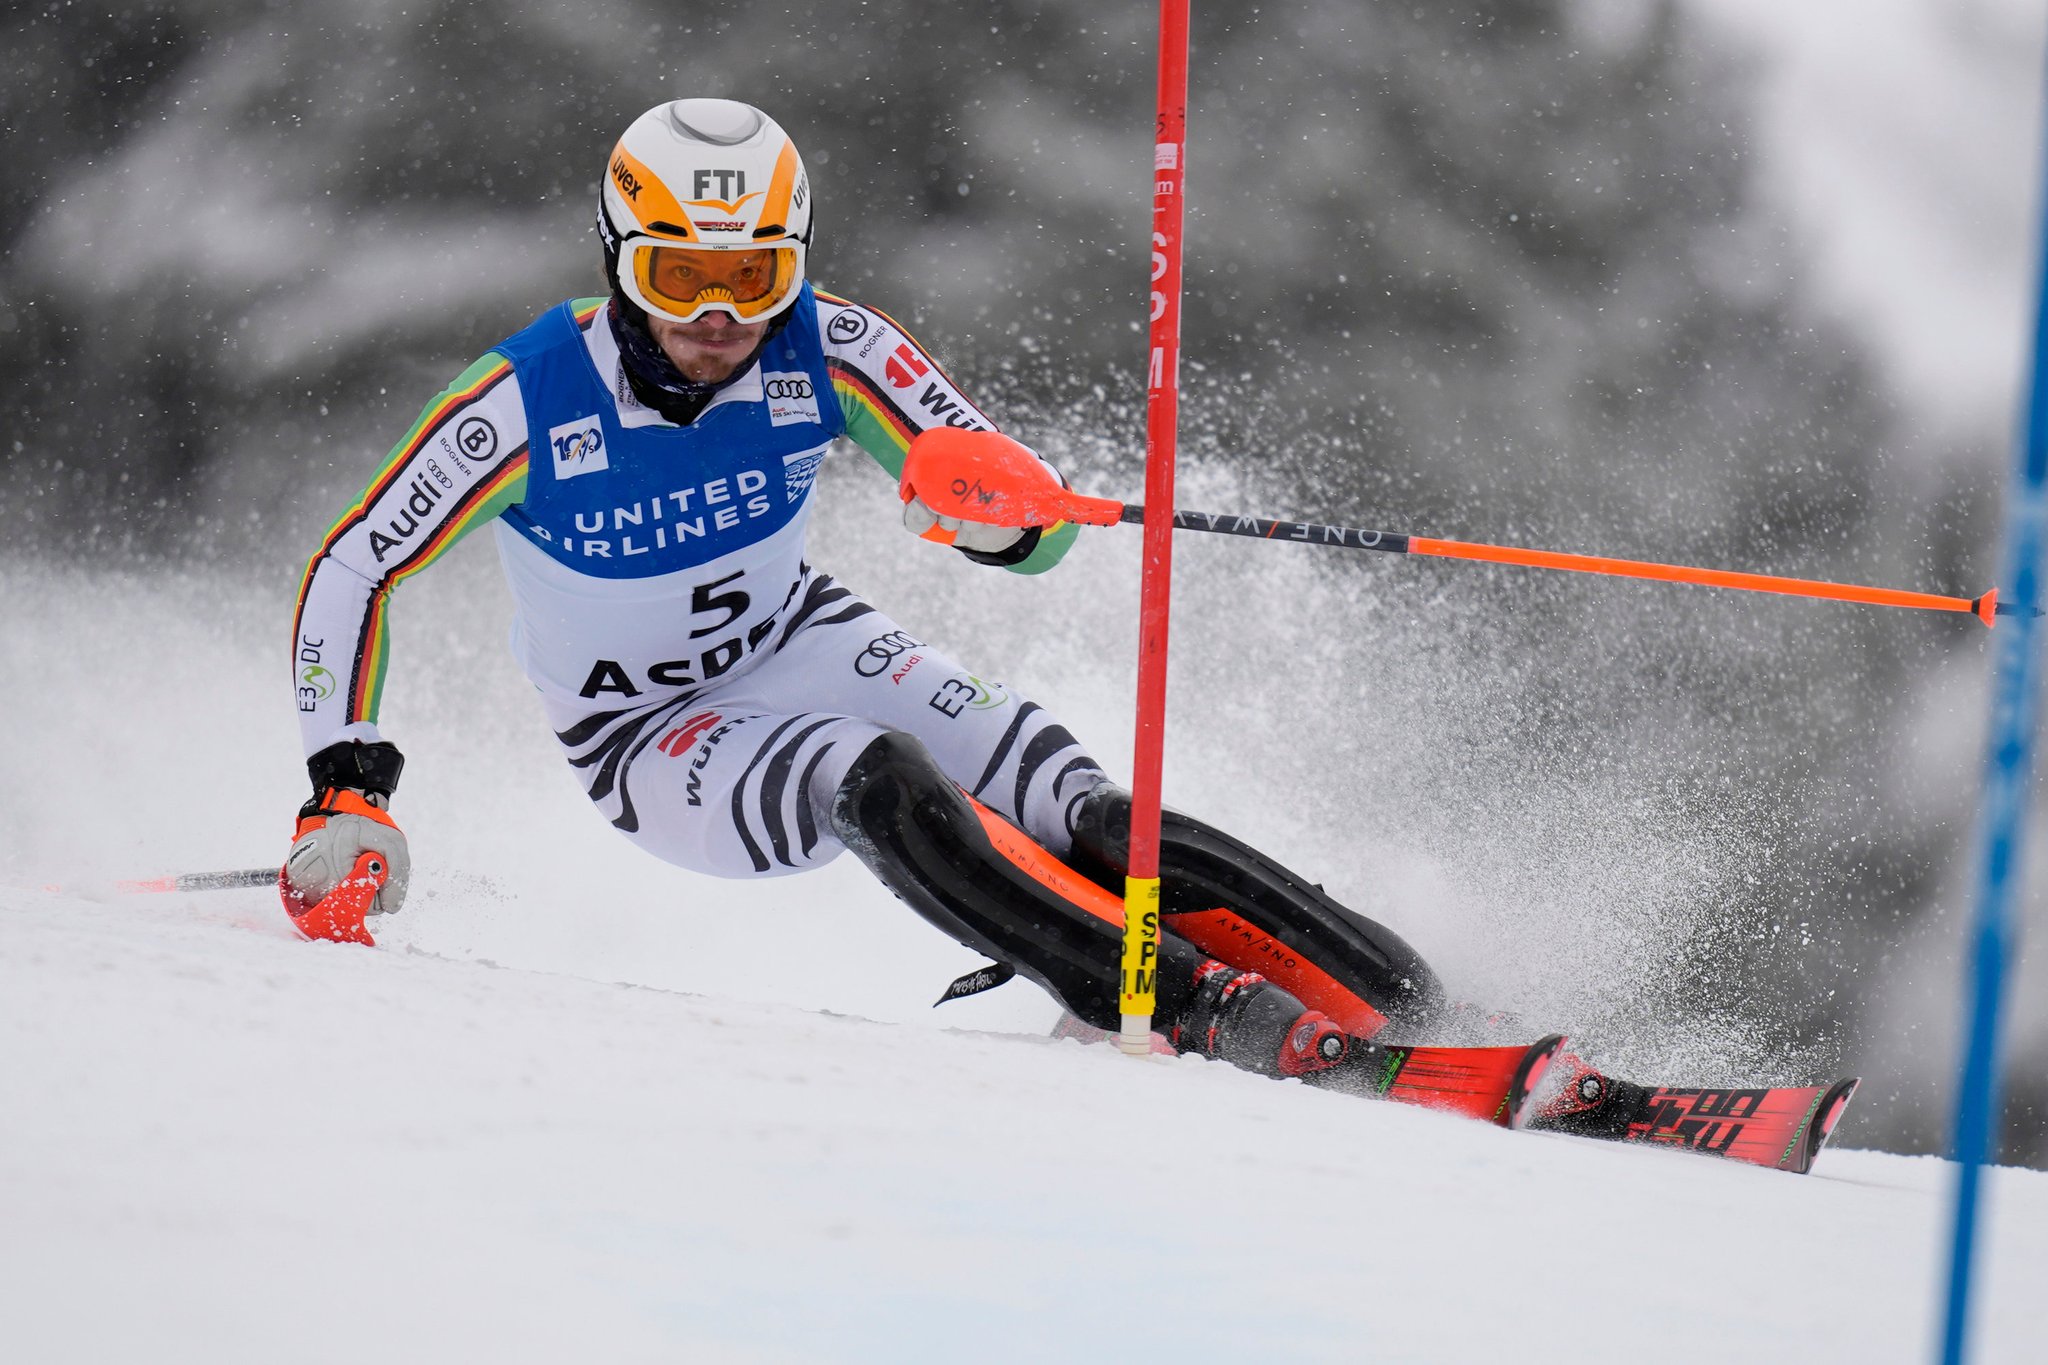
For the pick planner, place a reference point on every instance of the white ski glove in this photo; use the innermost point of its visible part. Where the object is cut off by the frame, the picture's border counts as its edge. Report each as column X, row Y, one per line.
column 978, row 537
column 345, row 820
column 337, row 827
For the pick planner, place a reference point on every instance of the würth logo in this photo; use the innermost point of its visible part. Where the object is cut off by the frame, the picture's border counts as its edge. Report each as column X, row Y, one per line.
column 683, row 738
column 905, row 367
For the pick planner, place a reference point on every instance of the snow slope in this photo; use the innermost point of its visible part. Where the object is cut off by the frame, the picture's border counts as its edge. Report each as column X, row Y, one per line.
column 581, row 1105
column 225, row 1145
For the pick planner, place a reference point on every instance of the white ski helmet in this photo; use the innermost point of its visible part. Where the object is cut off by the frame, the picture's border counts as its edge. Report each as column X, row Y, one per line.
column 706, row 206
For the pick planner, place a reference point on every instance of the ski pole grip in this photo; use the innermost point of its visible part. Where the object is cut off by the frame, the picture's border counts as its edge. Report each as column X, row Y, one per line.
column 985, row 476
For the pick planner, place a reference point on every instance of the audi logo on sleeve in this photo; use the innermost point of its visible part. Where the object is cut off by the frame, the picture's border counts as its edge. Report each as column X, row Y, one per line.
column 791, row 399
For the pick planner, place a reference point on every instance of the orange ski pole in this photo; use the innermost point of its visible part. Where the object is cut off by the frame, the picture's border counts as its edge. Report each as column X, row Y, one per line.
column 1985, row 607
column 984, row 476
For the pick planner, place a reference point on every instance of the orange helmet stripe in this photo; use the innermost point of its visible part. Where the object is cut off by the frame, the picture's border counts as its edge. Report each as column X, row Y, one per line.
column 775, row 212
column 651, row 201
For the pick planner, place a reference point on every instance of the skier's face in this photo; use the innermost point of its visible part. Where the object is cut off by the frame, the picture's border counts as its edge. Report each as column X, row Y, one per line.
column 708, row 350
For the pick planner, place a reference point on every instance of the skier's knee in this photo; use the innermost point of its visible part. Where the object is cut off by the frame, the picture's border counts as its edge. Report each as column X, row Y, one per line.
column 895, row 785
column 919, row 834
column 897, row 811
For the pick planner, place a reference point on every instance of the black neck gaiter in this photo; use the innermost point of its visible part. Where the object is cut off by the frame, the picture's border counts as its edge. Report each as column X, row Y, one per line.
column 655, row 380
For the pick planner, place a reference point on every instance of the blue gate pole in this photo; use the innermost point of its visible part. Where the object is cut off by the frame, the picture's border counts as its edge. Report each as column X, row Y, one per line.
column 2008, row 771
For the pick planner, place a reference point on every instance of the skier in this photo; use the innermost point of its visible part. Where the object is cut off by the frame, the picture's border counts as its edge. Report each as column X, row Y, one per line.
column 647, row 461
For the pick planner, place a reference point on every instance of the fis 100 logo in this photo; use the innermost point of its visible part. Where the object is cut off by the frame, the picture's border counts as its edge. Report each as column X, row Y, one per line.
column 578, row 447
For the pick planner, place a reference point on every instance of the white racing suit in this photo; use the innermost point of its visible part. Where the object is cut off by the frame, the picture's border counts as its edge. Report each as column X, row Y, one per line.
column 728, row 779
column 708, row 685
column 736, row 712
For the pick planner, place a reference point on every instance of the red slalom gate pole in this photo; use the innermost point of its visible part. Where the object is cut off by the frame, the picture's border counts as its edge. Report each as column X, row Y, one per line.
column 1140, row 965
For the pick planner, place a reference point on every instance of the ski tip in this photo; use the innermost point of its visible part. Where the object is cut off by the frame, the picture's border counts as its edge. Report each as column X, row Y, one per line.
column 1826, row 1114
column 1528, row 1076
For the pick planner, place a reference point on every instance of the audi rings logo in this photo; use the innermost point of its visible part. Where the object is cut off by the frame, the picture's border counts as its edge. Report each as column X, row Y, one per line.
column 791, row 399
column 846, row 328
column 881, row 652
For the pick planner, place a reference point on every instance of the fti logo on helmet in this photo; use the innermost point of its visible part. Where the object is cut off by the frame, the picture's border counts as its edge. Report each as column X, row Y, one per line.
column 578, row 448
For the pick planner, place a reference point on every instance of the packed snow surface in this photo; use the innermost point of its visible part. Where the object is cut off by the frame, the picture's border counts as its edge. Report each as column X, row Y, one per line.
column 579, row 1105
column 224, row 1144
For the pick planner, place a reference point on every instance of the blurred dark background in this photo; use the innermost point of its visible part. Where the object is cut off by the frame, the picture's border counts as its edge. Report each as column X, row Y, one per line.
column 1496, row 271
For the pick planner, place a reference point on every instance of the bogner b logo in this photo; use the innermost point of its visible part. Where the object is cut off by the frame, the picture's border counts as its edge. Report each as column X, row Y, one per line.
column 578, row 448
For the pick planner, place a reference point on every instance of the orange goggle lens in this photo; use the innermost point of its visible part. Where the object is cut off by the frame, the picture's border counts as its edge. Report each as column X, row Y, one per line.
column 685, row 280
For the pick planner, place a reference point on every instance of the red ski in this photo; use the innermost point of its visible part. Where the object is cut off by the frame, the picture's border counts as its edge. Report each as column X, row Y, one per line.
column 1781, row 1127
column 1489, row 1083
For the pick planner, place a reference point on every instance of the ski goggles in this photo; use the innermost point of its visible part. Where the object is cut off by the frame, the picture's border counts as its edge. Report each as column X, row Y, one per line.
column 682, row 283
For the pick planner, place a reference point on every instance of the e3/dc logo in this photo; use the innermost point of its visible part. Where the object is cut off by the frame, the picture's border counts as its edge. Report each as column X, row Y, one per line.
column 317, row 681
column 578, row 448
